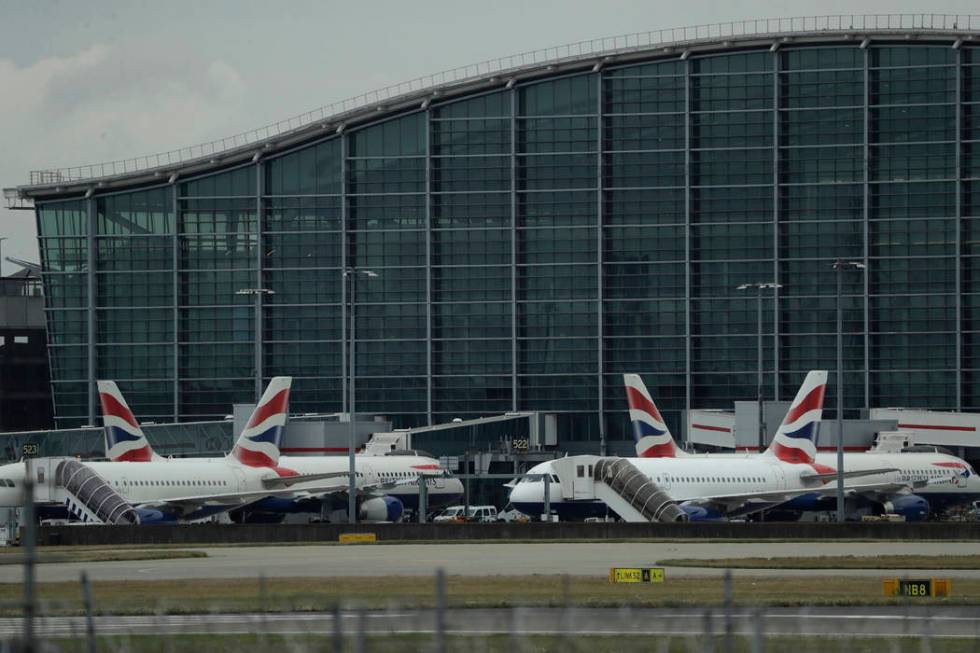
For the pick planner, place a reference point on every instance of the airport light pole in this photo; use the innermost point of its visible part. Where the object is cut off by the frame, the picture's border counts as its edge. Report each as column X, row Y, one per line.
column 2, row 238
column 839, row 266
column 350, row 275
column 768, row 285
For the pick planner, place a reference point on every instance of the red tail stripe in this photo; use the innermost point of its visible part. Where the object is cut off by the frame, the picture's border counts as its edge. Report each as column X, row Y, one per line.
column 252, row 458
column 664, row 450
column 707, row 427
column 278, row 404
column 791, row 454
column 143, row 455
column 637, row 401
column 813, row 401
column 112, row 406
column 938, row 427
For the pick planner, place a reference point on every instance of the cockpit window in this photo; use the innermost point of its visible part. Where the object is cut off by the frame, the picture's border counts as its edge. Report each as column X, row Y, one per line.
column 532, row 478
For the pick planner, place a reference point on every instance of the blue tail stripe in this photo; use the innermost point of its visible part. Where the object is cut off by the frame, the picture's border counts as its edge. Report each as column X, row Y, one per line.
column 803, row 433
column 643, row 429
column 117, row 435
column 271, row 436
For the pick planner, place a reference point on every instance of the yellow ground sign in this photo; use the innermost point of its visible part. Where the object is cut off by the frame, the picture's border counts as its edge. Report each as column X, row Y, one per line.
column 358, row 538
column 636, row 575
column 917, row 588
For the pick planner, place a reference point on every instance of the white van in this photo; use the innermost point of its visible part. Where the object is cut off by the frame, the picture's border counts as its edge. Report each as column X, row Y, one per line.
column 482, row 514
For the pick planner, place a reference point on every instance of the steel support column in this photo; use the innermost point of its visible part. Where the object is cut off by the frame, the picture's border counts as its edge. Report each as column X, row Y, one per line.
column 687, row 245
column 91, row 326
column 259, row 281
column 959, row 213
column 513, row 248
column 344, row 264
column 603, row 445
column 775, row 226
column 174, row 197
column 867, row 218
column 428, row 266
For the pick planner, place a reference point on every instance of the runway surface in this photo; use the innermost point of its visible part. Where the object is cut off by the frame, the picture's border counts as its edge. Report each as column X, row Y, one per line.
column 490, row 559
column 825, row 622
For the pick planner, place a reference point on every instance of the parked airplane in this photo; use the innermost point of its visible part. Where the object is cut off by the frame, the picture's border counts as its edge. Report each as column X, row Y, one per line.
column 397, row 470
column 719, row 487
column 924, row 482
column 188, row 489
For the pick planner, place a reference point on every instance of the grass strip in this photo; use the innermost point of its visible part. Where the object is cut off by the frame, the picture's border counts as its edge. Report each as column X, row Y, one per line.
column 303, row 643
column 137, row 597
column 51, row 556
column 467, row 542
column 889, row 562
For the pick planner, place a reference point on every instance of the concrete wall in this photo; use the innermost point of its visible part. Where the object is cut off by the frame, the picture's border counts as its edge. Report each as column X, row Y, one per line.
column 255, row 533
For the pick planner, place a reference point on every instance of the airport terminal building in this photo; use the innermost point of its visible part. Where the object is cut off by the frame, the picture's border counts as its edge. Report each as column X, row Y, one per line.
column 538, row 225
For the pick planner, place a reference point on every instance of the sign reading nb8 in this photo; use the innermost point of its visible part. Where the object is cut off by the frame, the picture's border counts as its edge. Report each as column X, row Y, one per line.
column 915, row 587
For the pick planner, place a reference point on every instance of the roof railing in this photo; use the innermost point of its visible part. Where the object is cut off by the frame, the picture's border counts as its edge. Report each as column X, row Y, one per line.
column 671, row 37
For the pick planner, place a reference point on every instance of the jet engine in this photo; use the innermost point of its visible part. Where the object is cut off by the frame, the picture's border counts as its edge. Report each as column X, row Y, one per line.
column 151, row 516
column 700, row 513
column 381, row 509
column 911, row 506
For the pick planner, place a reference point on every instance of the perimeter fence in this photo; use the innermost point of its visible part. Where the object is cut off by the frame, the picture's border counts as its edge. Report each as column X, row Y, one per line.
column 437, row 615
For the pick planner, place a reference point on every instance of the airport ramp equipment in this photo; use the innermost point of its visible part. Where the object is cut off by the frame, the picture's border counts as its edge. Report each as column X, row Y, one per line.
column 632, row 495
column 91, row 498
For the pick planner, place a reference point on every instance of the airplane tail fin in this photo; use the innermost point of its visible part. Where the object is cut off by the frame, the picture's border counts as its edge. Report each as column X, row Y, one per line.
column 794, row 442
column 650, row 433
column 258, row 444
column 124, row 439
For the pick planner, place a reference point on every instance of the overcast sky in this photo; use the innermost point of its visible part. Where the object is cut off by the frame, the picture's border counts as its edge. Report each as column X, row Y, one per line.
column 86, row 82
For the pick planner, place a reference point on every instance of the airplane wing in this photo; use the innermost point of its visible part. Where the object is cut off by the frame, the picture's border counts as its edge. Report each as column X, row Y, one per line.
column 748, row 502
column 744, row 500
column 289, row 481
column 830, row 476
column 372, row 489
column 188, row 504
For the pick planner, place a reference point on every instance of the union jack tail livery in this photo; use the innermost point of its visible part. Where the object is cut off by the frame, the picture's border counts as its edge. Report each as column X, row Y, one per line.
column 794, row 442
column 258, row 445
column 124, row 439
column 652, row 437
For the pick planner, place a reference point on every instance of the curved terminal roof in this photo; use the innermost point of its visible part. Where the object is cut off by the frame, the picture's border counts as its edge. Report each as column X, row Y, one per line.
column 505, row 72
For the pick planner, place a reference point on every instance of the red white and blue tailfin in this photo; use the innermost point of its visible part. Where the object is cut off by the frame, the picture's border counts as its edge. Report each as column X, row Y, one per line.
column 258, row 445
column 650, row 433
column 795, row 441
column 124, row 439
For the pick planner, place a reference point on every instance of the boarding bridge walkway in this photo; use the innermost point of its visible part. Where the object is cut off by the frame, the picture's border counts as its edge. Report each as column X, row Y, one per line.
column 90, row 497
column 617, row 483
column 647, row 502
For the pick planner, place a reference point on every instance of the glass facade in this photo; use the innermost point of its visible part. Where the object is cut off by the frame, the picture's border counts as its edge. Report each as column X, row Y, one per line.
column 533, row 243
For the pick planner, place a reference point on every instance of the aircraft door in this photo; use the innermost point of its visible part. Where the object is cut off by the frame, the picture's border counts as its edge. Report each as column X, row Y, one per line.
column 41, row 470
column 583, row 485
